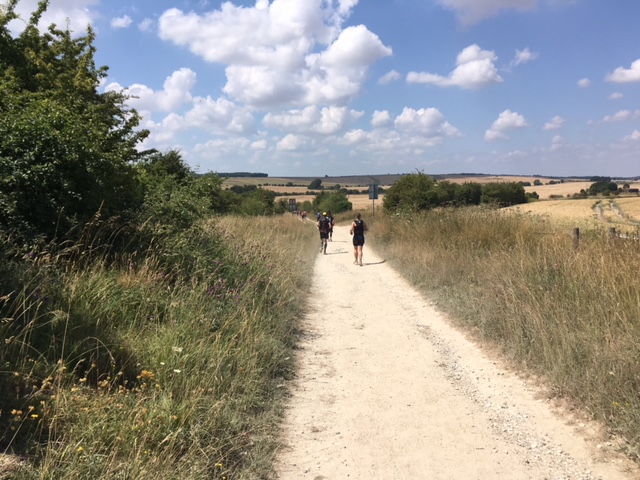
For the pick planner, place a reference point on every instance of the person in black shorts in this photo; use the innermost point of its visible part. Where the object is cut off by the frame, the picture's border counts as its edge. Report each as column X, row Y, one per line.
column 358, row 227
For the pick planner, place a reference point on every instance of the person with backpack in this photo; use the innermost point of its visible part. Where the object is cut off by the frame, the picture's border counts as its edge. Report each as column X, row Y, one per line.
column 331, row 222
column 323, row 227
column 358, row 227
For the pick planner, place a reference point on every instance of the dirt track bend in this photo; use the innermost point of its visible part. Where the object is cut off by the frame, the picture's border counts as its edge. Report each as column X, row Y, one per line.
column 388, row 389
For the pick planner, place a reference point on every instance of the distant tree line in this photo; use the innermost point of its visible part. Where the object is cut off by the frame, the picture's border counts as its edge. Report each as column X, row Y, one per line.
column 242, row 175
column 416, row 192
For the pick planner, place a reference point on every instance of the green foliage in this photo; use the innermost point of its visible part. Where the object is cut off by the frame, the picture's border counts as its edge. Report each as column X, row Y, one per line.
column 65, row 149
column 604, row 187
column 167, row 361
column 469, row 193
column 418, row 192
column 413, row 192
column 503, row 194
column 315, row 185
column 335, row 202
column 532, row 196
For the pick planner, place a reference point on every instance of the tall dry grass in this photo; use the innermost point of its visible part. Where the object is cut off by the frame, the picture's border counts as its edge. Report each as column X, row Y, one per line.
column 158, row 368
column 570, row 315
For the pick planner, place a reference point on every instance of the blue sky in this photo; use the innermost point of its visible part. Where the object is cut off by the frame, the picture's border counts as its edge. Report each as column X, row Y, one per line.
column 349, row 87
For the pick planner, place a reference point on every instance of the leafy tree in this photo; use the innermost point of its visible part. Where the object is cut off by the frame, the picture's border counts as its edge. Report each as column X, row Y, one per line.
column 503, row 194
column 335, row 202
column 170, row 163
column 469, row 193
column 446, row 191
column 66, row 151
column 604, row 187
column 412, row 192
column 315, row 185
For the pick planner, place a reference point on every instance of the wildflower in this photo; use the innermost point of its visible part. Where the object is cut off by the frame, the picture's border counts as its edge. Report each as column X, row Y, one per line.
column 80, row 449
column 34, row 416
column 177, row 349
column 176, row 370
column 146, row 375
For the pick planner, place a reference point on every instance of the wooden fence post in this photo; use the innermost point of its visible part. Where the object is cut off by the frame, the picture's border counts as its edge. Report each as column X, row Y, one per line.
column 575, row 234
column 612, row 234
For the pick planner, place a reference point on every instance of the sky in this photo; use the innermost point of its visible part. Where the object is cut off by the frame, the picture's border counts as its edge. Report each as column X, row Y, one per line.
column 353, row 87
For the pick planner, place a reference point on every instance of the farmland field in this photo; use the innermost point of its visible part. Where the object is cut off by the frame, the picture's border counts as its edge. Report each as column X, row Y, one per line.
column 621, row 213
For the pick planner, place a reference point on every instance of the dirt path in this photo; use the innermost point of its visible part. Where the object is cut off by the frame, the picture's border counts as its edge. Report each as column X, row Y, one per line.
column 388, row 389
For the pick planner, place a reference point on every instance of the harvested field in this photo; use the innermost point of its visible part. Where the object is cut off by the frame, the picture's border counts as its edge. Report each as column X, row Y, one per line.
column 360, row 203
column 630, row 206
column 621, row 213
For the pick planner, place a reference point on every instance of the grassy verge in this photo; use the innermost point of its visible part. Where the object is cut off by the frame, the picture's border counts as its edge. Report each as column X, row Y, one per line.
column 166, row 364
column 570, row 315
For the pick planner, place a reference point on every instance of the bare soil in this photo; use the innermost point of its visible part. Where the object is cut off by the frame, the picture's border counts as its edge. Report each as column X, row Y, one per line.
column 387, row 388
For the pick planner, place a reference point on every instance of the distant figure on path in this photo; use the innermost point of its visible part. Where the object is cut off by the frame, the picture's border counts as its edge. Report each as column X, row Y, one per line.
column 358, row 227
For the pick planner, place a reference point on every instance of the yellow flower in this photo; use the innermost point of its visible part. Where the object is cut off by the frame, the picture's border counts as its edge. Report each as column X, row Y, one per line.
column 80, row 449
column 146, row 375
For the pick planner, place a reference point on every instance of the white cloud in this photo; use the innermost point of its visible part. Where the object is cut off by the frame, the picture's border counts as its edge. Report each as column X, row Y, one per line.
column 555, row 123
column 507, row 120
column 389, row 77
column 624, row 75
column 287, row 52
column 78, row 13
column 634, row 137
column 616, row 96
column 473, row 11
column 311, row 119
column 261, row 144
column 146, row 25
column 380, row 119
column 622, row 116
column 584, row 82
column 291, row 143
column 557, row 142
column 121, row 22
column 355, row 137
column 176, row 92
column 475, row 69
column 524, row 56
column 222, row 148
column 219, row 116
column 427, row 122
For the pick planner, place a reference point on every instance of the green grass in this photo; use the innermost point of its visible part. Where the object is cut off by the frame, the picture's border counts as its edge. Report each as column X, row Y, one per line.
column 516, row 281
column 167, row 367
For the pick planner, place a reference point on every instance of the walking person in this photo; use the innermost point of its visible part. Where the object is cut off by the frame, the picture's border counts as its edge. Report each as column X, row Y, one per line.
column 331, row 222
column 358, row 227
column 323, row 227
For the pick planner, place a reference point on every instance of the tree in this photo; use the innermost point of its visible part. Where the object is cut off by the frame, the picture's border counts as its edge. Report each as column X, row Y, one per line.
column 503, row 194
column 335, row 202
column 469, row 193
column 604, row 187
column 66, row 151
column 315, row 185
column 412, row 192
